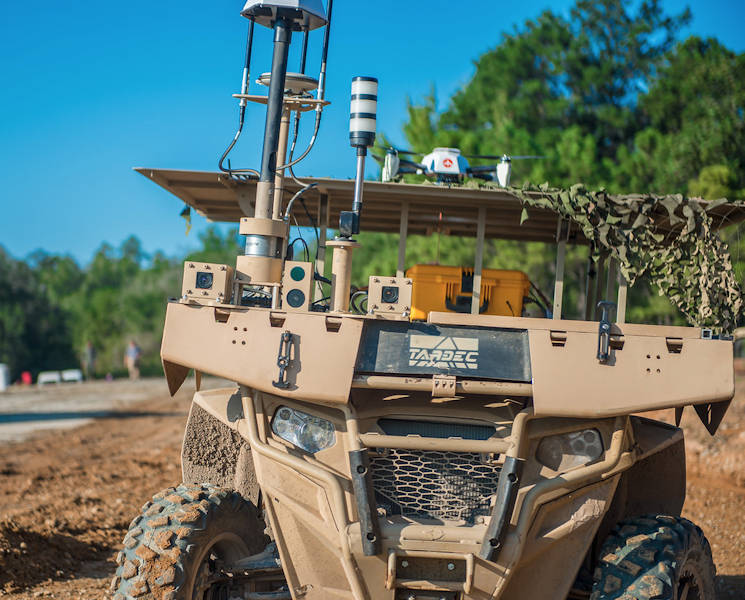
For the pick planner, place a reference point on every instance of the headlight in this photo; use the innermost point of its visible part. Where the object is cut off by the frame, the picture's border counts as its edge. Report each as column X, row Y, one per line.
column 562, row 452
column 305, row 431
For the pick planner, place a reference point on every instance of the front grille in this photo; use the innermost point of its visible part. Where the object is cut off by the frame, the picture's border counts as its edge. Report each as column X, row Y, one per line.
column 448, row 486
column 436, row 429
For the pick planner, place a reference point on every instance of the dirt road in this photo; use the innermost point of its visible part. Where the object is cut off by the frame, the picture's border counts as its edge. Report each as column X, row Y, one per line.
column 26, row 411
column 67, row 496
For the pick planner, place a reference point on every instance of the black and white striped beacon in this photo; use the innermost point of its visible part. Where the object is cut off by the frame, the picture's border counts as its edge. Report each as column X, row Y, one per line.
column 363, row 112
column 362, row 126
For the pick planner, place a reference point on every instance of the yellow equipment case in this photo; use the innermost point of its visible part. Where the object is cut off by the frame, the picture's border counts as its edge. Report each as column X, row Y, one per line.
column 438, row 288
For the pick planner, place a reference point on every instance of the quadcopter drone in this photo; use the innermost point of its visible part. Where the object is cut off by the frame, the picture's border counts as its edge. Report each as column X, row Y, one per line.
column 447, row 165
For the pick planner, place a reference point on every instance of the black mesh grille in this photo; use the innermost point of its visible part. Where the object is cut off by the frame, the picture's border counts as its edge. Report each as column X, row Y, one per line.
column 436, row 429
column 447, row 486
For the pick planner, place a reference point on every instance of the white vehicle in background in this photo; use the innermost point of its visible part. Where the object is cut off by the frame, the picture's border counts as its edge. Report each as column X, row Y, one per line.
column 47, row 377
column 72, row 376
column 64, row 376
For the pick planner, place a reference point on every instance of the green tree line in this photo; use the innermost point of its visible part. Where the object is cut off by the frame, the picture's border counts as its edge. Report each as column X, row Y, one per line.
column 50, row 306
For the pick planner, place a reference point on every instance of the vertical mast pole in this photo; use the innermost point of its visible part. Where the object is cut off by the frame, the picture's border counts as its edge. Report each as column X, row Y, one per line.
column 561, row 249
column 403, row 233
column 274, row 109
column 479, row 262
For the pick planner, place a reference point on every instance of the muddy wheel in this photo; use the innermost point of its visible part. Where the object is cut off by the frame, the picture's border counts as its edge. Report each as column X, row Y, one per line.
column 655, row 558
column 171, row 550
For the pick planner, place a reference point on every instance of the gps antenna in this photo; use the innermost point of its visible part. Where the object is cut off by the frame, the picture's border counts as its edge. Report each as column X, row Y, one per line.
column 362, row 127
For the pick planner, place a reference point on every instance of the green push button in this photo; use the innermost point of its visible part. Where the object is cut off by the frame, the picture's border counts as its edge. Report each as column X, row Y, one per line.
column 297, row 273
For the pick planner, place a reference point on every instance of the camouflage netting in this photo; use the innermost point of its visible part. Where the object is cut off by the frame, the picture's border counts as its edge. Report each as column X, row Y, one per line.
column 691, row 266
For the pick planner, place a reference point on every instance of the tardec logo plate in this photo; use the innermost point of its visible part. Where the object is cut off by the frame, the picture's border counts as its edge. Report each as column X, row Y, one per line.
column 443, row 351
column 399, row 348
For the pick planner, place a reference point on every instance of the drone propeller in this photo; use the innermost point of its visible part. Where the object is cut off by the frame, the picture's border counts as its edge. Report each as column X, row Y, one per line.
column 409, row 152
column 393, row 165
column 502, row 157
column 484, row 156
column 402, row 161
column 413, row 164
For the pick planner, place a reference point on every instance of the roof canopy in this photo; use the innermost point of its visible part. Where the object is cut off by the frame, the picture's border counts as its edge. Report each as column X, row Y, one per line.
column 451, row 210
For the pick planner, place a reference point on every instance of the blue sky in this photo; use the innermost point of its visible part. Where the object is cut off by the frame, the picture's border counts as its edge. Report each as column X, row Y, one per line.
column 92, row 89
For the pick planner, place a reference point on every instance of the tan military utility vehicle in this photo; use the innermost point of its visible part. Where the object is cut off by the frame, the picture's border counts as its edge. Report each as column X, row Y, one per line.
column 420, row 439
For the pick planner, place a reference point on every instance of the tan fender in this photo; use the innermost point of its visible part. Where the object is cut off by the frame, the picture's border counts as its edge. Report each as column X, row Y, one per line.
column 213, row 451
column 562, row 531
column 224, row 404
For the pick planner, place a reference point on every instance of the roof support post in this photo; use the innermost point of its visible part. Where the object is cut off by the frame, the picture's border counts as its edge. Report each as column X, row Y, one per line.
column 612, row 278
column 561, row 249
column 323, row 223
column 279, row 179
column 590, row 285
column 623, row 287
column 479, row 262
column 599, row 278
column 402, row 239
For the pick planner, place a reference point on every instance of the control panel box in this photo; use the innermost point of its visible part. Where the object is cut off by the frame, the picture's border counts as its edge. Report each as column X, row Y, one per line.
column 297, row 286
column 207, row 282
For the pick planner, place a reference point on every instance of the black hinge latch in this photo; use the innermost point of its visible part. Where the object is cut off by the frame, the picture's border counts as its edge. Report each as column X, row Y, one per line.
column 604, row 330
column 284, row 358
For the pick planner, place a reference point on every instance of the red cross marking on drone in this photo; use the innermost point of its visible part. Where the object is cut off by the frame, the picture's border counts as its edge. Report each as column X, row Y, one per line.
column 448, row 162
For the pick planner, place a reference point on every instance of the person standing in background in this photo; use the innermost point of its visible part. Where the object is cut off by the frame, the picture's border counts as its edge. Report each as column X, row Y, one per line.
column 132, row 360
column 89, row 360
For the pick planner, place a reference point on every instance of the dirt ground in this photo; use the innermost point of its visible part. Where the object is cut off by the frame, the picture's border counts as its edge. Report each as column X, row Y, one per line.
column 67, row 496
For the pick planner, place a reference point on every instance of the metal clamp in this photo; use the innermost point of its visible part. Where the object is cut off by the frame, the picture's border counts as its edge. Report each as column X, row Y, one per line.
column 443, row 386
column 284, row 358
column 604, row 330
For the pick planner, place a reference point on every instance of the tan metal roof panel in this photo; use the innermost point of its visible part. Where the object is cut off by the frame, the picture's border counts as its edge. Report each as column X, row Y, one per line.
column 451, row 210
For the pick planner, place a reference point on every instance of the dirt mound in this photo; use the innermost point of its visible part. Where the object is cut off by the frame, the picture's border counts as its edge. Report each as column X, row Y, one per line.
column 67, row 497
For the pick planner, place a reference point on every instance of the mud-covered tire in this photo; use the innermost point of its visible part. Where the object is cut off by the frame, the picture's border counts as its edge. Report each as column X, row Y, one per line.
column 655, row 558
column 167, row 546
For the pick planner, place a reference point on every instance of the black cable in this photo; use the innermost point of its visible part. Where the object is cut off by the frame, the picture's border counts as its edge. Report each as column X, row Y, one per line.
column 304, row 54
column 315, row 229
column 242, row 110
column 305, row 245
column 312, row 143
column 325, row 52
column 296, row 125
column 299, row 194
column 353, row 302
column 533, row 300
column 316, row 306
column 321, row 91
column 545, row 301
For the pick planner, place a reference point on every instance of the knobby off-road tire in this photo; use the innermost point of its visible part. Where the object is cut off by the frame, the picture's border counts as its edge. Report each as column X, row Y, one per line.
column 655, row 558
column 169, row 548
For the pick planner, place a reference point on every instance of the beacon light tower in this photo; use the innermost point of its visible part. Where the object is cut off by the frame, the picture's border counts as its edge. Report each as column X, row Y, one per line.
column 362, row 127
column 266, row 231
